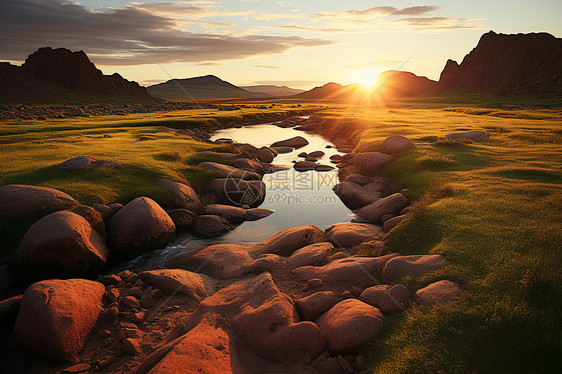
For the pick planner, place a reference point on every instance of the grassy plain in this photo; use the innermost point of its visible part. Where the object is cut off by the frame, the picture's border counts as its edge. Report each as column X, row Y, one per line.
column 494, row 209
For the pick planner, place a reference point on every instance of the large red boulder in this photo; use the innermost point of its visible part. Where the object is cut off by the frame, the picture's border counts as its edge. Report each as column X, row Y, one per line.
column 60, row 245
column 413, row 265
column 184, row 195
column 392, row 204
column 371, row 162
column 19, row 202
column 140, row 226
column 177, row 280
column 287, row 241
column 56, row 316
column 440, row 292
column 349, row 235
column 349, row 324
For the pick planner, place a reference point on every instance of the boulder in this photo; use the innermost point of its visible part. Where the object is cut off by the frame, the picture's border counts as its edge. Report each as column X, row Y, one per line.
column 468, row 135
column 182, row 218
column 313, row 306
column 184, row 195
column 287, row 241
column 396, row 144
column 263, row 318
column 401, row 266
column 19, row 202
column 389, row 299
column 9, row 309
column 316, row 154
column 265, row 155
column 194, row 285
column 305, row 165
column 140, row 226
column 349, row 235
column 437, row 293
column 222, row 261
column 204, row 349
column 345, row 273
column 357, row 179
column 355, row 196
column 255, row 214
column 230, row 213
column 310, row 255
column 373, row 212
column 238, row 192
column 371, row 162
column 324, row 168
column 250, row 165
column 56, row 316
column 295, row 142
column 94, row 218
column 230, row 171
column 391, row 223
column 60, row 245
column 281, row 150
column 210, row 226
column 349, row 324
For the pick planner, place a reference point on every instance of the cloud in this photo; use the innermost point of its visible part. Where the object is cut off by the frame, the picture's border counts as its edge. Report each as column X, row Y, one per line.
column 307, row 28
column 375, row 63
column 263, row 66
column 382, row 10
column 125, row 36
column 440, row 23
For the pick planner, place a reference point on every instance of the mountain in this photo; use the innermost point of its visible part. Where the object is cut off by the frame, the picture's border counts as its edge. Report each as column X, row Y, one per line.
column 62, row 76
column 392, row 84
column 274, row 91
column 514, row 63
column 207, row 87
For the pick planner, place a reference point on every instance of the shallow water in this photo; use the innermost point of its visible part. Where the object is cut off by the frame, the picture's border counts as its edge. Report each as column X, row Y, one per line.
column 298, row 198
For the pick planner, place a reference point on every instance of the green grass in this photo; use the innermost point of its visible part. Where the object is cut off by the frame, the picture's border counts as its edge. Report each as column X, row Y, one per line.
column 494, row 209
column 30, row 152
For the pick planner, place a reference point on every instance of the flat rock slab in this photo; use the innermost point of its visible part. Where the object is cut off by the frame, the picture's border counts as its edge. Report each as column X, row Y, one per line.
column 56, row 316
column 349, row 324
column 310, row 255
column 194, row 285
column 295, row 142
column 349, row 235
column 345, row 273
column 18, row 202
column 204, row 349
column 230, row 171
column 254, row 214
column 263, row 318
column 437, row 293
column 414, row 265
column 287, row 241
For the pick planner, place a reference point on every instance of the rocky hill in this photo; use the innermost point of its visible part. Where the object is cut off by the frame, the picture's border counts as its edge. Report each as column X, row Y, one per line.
column 205, row 87
column 272, row 90
column 500, row 63
column 62, row 76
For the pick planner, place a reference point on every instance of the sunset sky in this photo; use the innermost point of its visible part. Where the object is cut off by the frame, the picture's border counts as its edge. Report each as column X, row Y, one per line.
column 296, row 43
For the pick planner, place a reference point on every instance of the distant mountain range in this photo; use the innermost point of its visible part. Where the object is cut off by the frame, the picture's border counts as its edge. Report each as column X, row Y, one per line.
column 500, row 64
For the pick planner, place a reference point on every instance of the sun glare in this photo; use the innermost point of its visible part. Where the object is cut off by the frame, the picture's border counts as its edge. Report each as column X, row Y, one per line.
column 366, row 77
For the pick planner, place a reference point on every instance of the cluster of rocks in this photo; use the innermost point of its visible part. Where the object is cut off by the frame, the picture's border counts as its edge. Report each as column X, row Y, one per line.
column 296, row 301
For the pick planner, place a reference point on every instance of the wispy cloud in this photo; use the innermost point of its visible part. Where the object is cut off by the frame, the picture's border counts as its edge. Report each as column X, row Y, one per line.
column 440, row 23
column 307, row 28
column 130, row 35
column 264, row 66
column 382, row 10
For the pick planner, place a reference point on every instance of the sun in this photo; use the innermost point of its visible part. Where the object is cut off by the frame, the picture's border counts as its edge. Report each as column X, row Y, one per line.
column 366, row 77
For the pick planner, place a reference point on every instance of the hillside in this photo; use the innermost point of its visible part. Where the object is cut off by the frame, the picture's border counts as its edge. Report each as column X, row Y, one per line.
column 272, row 90
column 516, row 63
column 391, row 85
column 55, row 76
column 206, row 87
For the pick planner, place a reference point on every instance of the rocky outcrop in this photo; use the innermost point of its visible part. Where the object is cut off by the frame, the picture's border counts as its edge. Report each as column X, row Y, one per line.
column 60, row 245
column 140, row 226
column 500, row 63
column 56, row 316
column 19, row 202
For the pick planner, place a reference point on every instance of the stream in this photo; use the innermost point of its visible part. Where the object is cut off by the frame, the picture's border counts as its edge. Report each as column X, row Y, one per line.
column 298, row 198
